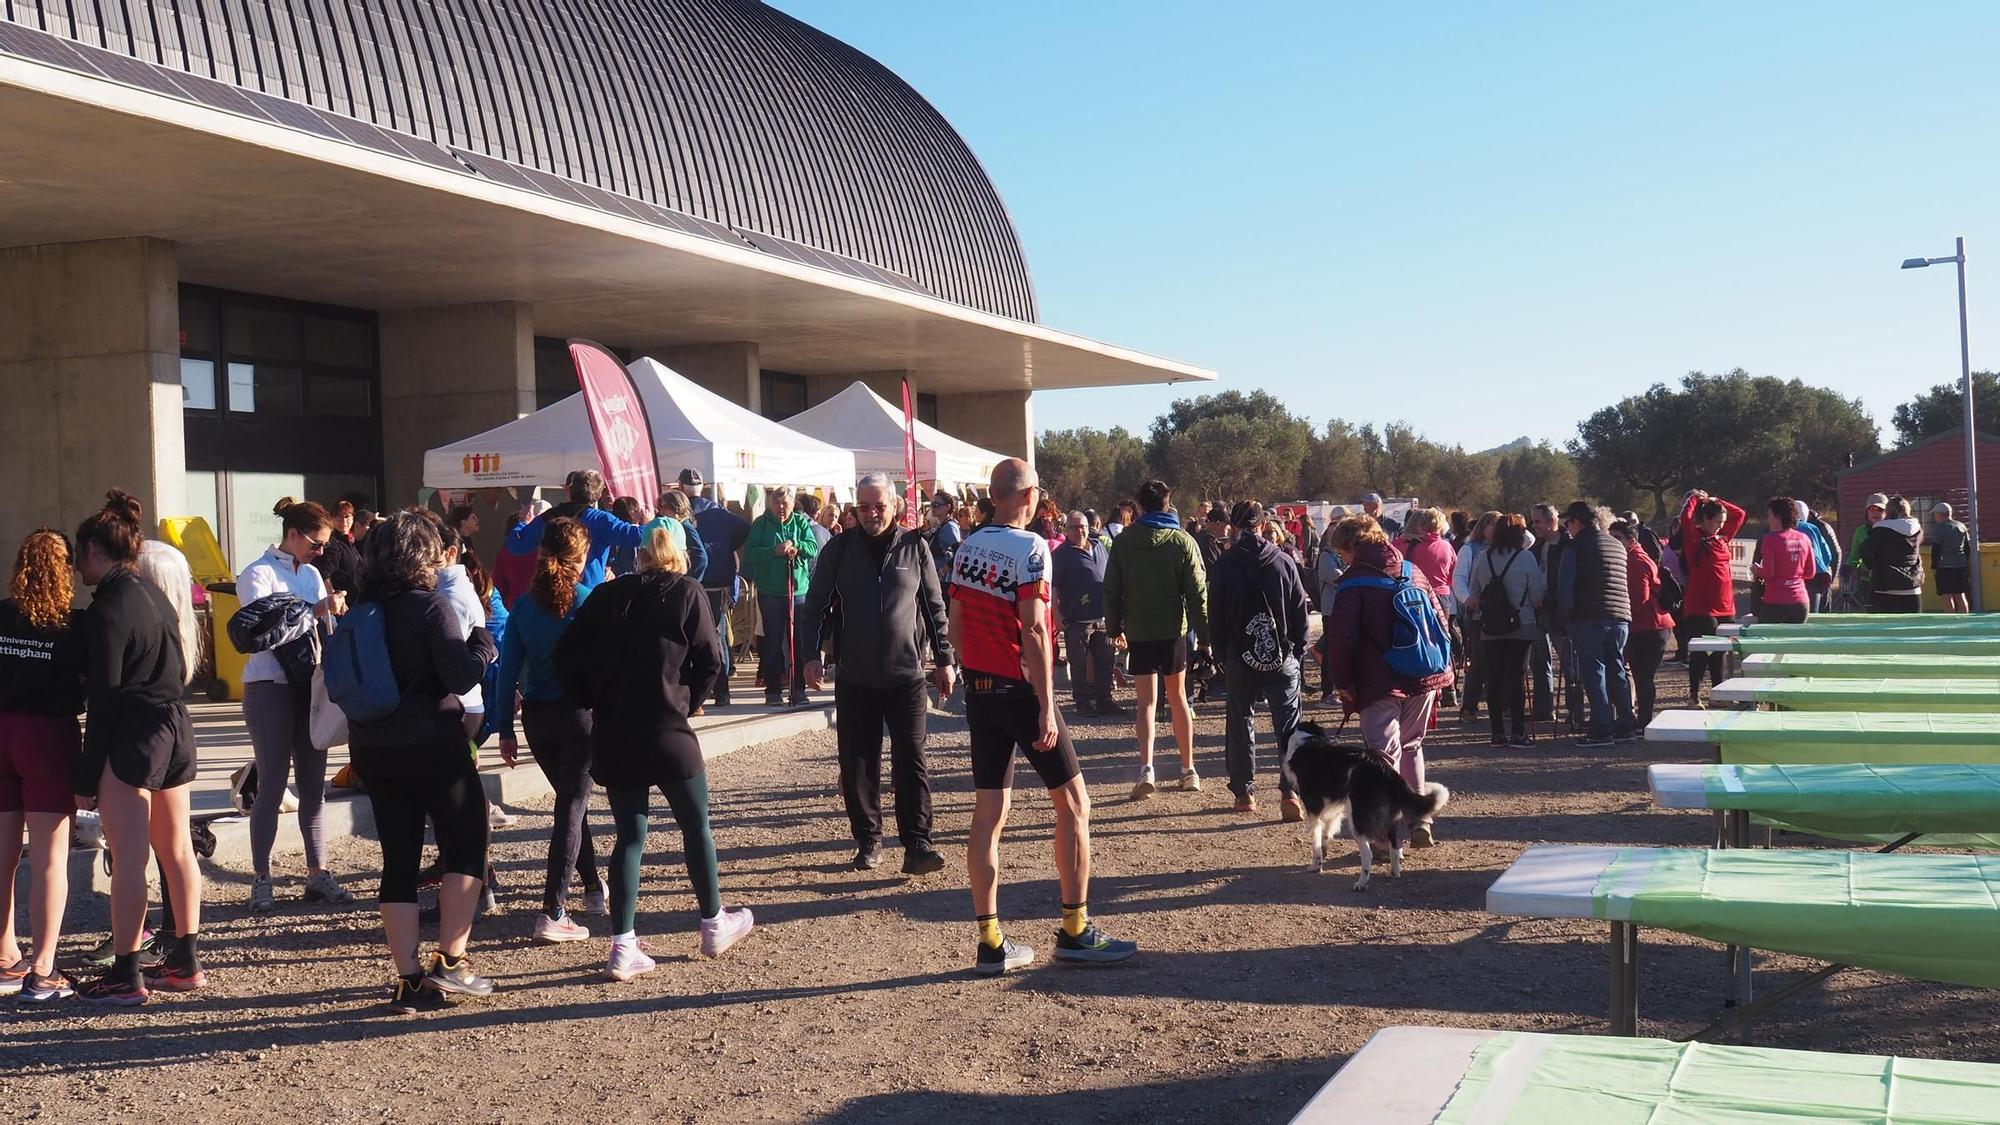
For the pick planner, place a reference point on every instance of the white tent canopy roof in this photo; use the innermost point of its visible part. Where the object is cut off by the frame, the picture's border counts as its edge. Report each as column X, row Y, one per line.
column 693, row 428
column 863, row 421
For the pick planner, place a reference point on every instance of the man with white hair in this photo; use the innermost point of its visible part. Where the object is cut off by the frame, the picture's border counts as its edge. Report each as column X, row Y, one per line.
column 880, row 587
column 1000, row 627
column 1371, row 504
column 1951, row 560
column 778, row 554
column 1077, row 569
column 1598, row 606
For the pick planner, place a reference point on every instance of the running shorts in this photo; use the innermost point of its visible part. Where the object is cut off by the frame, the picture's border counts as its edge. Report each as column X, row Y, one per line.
column 38, row 757
column 1954, row 580
column 1152, row 658
column 1004, row 716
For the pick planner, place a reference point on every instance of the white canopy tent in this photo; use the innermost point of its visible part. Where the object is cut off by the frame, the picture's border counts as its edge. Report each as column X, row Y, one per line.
column 693, row 428
column 860, row 420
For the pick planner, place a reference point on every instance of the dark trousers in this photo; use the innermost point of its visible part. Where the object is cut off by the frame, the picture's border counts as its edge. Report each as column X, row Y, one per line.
column 1088, row 648
column 1542, row 666
column 559, row 738
column 1279, row 691
column 1475, row 668
column 718, row 607
column 1502, row 661
column 1895, row 603
column 1782, row 614
column 408, row 785
column 861, row 713
column 1643, row 652
column 780, row 657
column 1711, row 663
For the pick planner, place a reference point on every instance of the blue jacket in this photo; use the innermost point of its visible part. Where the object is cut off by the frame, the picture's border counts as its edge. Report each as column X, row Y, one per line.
column 722, row 534
column 606, row 531
column 528, row 657
column 1824, row 555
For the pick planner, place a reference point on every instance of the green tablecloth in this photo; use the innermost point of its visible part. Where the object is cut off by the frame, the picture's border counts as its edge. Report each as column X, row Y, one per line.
column 1521, row 1078
column 1977, row 694
column 1805, row 737
column 1872, row 644
column 1952, row 805
column 1899, row 665
column 1934, row 917
column 1982, row 624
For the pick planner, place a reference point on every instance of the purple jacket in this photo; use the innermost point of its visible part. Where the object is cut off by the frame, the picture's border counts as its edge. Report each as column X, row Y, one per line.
column 1361, row 626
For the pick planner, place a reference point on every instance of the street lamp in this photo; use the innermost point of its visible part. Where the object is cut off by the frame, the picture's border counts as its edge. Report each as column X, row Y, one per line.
column 1971, row 429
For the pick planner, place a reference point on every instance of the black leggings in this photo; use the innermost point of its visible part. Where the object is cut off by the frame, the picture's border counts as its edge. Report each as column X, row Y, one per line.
column 406, row 784
column 1773, row 613
column 1698, row 662
column 1643, row 652
column 1503, row 662
column 559, row 738
column 1477, row 675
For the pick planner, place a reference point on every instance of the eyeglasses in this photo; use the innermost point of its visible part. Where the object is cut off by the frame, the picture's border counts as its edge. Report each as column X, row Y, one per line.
column 871, row 507
column 318, row 544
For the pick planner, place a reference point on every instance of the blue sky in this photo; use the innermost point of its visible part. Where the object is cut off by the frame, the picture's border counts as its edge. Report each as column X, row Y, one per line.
column 1489, row 219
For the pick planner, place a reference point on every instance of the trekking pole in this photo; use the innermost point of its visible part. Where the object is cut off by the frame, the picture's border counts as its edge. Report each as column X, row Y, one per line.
column 791, row 629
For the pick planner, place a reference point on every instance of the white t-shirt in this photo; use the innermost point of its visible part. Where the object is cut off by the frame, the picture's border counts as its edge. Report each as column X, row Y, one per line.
column 274, row 572
column 457, row 589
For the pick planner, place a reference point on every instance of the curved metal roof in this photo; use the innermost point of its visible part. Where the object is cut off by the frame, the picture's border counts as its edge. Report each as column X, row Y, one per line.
column 725, row 110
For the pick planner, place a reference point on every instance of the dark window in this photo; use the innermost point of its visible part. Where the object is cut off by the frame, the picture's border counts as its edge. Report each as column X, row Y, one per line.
column 927, row 409
column 784, row 395
column 197, row 324
column 334, row 342
column 342, row 396
column 264, row 388
column 265, row 333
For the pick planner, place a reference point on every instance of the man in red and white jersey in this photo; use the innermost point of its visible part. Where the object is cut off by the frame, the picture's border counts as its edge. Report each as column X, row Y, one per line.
column 1000, row 628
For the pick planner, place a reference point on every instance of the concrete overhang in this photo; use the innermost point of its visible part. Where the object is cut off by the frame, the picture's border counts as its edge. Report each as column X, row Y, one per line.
column 263, row 208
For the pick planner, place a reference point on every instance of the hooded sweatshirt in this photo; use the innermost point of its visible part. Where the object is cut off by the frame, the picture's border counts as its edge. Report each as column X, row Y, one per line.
column 515, row 568
column 1890, row 551
column 1251, row 576
column 1155, row 588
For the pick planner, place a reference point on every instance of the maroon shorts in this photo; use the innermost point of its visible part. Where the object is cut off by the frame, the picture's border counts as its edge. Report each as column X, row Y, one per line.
column 38, row 760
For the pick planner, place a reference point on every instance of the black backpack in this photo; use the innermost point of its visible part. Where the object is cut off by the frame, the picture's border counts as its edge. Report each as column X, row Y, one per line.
column 1670, row 594
column 1497, row 612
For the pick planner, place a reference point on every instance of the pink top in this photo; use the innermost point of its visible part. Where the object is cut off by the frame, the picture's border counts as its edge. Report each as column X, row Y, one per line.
column 1787, row 563
column 1434, row 557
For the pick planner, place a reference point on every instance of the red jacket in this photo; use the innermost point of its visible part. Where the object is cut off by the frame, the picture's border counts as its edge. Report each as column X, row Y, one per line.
column 1642, row 583
column 1361, row 626
column 1711, row 589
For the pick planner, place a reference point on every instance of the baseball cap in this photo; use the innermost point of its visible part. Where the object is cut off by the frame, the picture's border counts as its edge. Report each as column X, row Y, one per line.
column 1580, row 512
column 690, row 478
column 1248, row 514
column 1372, row 498
column 1942, row 509
column 1877, row 500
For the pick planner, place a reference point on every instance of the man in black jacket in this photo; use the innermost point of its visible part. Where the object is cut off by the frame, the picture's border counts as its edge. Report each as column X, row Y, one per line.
column 881, row 584
column 1257, row 616
column 1597, row 605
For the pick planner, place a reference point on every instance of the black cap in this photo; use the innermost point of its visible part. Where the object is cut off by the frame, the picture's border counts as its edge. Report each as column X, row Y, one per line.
column 690, row 478
column 1580, row 512
column 1218, row 514
column 1248, row 514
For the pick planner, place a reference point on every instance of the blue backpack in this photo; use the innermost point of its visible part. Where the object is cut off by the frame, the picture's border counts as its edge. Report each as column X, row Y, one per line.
column 357, row 674
column 1420, row 646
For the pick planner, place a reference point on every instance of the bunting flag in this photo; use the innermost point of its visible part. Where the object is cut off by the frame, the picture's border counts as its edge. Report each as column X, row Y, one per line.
column 912, row 504
column 618, row 423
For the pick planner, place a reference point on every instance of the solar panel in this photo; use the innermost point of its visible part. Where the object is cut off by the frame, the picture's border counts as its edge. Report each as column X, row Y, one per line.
column 499, row 171
column 219, row 95
column 132, row 72
column 31, row 44
column 293, row 114
column 827, row 260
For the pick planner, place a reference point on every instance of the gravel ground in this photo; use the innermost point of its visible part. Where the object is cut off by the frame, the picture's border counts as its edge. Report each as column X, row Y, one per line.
column 853, row 1001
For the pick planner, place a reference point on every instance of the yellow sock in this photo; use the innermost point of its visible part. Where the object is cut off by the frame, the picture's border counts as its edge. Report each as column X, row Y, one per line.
column 989, row 931
column 1076, row 919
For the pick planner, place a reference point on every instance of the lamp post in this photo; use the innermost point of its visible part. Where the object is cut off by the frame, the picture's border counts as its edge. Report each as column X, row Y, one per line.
column 1971, row 428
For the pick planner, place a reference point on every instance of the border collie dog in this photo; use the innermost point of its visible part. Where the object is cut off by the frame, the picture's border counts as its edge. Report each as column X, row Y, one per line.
column 1348, row 782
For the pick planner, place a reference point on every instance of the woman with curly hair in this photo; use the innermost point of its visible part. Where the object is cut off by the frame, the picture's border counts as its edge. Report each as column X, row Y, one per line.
column 138, row 752
column 41, row 694
column 558, row 732
column 413, row 761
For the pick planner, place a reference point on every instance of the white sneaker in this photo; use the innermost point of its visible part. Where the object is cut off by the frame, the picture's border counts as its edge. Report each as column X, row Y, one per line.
column 1145, row 788
column 497, row 817
column 1190, row 780
column 556, row 931
column 724, row 930
column 597, row 900
column 628, row 961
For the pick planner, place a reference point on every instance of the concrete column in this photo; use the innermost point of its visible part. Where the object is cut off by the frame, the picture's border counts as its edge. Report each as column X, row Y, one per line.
column 730, row 370
column 1003, row 421
column 449, row 373
column 90, row 382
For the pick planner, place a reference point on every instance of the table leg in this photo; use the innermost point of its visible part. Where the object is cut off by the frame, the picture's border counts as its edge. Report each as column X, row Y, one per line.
column 1624, row 978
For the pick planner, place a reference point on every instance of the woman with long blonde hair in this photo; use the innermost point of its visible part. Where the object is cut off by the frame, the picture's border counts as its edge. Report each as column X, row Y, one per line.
column 558, row 732
column 41, row 694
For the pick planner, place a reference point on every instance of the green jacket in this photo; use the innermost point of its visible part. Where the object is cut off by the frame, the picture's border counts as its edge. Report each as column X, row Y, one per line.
column 767, row 570
column 1154, row 585
column 1854, row 548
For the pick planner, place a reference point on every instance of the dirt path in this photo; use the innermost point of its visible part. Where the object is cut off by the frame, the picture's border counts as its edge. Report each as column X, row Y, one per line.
column 853, row 1002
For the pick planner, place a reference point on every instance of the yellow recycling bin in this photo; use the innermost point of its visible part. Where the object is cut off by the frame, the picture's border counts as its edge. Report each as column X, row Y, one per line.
column 196, row 540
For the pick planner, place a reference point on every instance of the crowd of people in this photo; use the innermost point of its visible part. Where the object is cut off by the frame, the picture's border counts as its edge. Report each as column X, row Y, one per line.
column 604, row 626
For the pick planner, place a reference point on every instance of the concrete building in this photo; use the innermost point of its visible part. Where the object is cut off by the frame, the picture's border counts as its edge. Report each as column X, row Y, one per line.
column 258, row 247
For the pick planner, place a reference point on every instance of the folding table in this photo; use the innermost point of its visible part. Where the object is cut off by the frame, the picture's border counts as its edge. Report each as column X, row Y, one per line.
column 1800, row 737
column 1902, row 666
column 1967, row 694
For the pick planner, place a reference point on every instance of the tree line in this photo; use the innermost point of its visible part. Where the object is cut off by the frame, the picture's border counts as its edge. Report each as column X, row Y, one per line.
column 1743, row 436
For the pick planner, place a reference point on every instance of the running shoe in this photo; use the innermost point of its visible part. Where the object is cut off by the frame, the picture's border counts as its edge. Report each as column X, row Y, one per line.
column 1496, row 743
column 457, row 979
column 1092, row 945
column 1628, row 739
column 13, row 977
column 115, row 992
column 1521, row 742
column 497, row 817
column 556, row 931
column 323, row 887
column 1246, row 804
column 153, row 950
column 1190, row 781
column 261, row 900
column 1589, row 743
column 992, row 962
column 724, row 930
column 1421, row 836
column 597, row 900
column 628, row 961
column 173, row 978
column 774, row 700
column 1291, row 811
column 922, row 861
column 409, row 997
column 868, row 857
column 39, row 989
column 1145, row 787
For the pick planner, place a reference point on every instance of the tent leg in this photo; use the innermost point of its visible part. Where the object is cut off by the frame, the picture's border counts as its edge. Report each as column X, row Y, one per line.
column 1624, row 978
column 1909, row 839
column 1735, row 833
